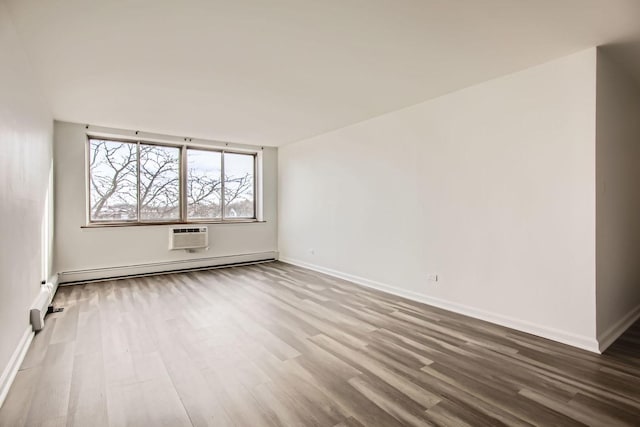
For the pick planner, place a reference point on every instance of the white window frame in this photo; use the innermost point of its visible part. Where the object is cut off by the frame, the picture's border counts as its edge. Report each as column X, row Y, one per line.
column 257, row 183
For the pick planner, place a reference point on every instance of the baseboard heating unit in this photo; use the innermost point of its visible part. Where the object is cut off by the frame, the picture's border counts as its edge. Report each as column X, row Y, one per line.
column 41, row 304
column 112, row 273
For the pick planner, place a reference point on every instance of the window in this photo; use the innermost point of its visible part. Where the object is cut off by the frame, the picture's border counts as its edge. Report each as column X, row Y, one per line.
column 140, row 182
column 159, row 183
column 113, row 170
column 204, row 184
column 238, row 185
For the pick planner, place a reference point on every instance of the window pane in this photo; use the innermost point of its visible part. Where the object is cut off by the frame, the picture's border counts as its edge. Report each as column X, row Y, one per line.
column 112, row 170
column 238, row 185
column 159, row 183
column 203, row 184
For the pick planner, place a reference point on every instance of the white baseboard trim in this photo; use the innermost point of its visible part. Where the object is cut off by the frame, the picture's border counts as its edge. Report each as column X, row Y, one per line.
column 574, row 340
column 609, row 336
column 96, row 274
column 11, row 370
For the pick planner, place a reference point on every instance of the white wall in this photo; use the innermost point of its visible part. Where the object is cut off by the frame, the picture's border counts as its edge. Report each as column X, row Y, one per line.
column 490, row 187
column 618, row 198
column 79, row 248
column 25, row 163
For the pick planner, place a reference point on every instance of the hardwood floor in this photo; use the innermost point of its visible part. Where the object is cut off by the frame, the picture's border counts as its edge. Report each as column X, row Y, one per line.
column 274, row 344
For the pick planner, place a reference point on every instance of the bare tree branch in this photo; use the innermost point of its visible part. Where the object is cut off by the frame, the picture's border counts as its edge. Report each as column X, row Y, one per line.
column 115, row 184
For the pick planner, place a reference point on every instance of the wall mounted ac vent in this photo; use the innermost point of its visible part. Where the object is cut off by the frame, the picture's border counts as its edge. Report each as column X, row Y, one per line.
column 188, row 238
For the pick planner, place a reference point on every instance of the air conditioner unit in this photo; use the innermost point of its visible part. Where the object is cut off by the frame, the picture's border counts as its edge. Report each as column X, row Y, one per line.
column 188, row 238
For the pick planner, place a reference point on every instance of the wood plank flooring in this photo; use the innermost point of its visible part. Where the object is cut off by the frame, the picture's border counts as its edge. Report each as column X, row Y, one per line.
column 277, row 345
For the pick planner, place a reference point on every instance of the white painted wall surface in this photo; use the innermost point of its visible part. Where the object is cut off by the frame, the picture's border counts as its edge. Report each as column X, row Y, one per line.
column 618, row 198
column 25, row 161
column 490, row 187
column 79, row 248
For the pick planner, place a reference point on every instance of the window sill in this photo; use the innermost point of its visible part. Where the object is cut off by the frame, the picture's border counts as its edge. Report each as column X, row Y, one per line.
column 174, row 223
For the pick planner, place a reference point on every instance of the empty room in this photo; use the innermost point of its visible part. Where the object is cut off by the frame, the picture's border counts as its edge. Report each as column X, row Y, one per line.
column 319, row 213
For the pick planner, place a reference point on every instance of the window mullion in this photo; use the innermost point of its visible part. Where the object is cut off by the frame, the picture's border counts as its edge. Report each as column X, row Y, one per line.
column 183, row 184
column 222, row 198
column 255, row 186
column 138, row 219
column 89, row 174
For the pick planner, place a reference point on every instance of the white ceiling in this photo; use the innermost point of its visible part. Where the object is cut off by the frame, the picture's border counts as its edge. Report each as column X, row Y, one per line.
column 277, row 71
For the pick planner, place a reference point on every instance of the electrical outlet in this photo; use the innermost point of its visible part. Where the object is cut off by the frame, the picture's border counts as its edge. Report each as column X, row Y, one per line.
column 432, row 278
column 312, row 251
